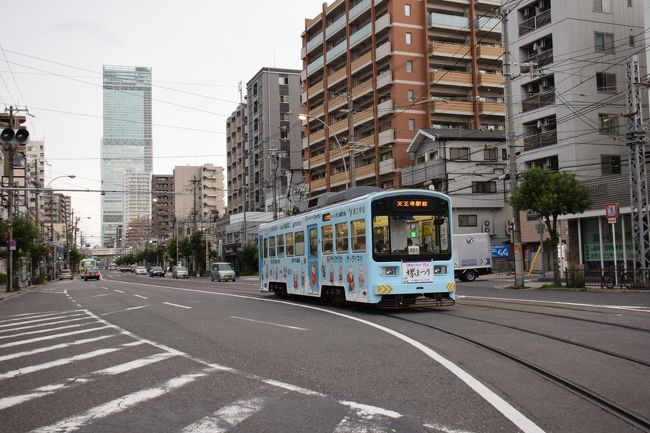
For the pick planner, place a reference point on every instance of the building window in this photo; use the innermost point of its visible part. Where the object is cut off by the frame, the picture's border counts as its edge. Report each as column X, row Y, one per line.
column 629, row 3
column 409, row 38
column 605, row 83
column 411, row 124
column 467, row 221
column 608, row 124
column 407, row 10
column 504, row 154
column 604, row 6
column 484, row 187
column 420, row 159
column 409, row 64
column 284, row 98
column 604, row 42
column 632, row 41
column 410, row 95
column 459, row 153
column 283, row 81
column 490, row 154
column 610, row 164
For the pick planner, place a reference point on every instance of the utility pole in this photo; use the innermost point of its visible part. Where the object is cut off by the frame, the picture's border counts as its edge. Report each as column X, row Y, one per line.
column 636, row 139
column 351, row 138
column 512, row 150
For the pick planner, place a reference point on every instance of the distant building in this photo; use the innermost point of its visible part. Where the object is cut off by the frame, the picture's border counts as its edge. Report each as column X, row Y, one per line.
column 162, row 208
column 274, row 140
column 199, row 196
column 237, row 156
column 126, row 144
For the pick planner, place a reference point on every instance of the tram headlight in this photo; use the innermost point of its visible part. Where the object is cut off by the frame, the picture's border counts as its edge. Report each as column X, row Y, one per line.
column 440, row 269
column 388, row 271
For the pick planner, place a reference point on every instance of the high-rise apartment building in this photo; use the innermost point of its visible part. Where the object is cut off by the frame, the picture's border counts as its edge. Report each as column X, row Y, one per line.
column 126, row 144
column 377, row 71
column 162, row 209
column 237, row 159
column 199, row 194
column 35, row 173
column 274, row 134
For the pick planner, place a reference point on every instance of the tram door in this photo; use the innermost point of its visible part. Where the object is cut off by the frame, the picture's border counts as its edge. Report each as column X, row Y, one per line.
column 312, row 259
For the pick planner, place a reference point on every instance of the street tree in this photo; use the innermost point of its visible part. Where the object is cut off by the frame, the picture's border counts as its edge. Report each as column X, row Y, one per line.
column 551, row 194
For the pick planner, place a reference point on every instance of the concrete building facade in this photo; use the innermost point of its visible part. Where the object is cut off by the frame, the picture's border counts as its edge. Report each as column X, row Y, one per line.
column 162, row 208
column 199, row 195
column 375, row 72
column 237, row 159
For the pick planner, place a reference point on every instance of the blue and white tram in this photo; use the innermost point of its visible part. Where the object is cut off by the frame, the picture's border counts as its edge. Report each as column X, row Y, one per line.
column 391, row 248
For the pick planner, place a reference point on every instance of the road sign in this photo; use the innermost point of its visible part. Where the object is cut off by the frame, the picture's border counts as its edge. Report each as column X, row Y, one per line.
column 611, row 212
column 500, row 250
column 12, row 244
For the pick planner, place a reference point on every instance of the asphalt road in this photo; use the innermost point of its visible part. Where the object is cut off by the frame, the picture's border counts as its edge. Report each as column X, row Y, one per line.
column 130, row 353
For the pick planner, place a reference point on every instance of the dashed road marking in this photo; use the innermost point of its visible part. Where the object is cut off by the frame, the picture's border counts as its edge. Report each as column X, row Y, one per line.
column 177, row 305
column 297, row 328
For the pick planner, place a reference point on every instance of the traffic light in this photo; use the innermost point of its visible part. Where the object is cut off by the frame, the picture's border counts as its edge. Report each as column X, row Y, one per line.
column 19, row 135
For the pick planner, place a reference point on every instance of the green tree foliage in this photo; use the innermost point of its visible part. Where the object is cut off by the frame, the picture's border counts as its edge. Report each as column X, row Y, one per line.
column 247, row 259
column 551, row 194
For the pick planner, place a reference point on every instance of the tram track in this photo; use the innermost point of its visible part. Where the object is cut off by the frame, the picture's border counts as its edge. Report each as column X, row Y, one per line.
column 581, row 391
column 561, row 316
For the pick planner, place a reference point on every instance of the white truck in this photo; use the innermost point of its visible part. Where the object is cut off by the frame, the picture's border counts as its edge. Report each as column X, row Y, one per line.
column 472, row 256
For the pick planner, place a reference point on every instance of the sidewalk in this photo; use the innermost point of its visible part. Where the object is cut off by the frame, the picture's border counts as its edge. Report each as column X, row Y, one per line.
column 506, row 280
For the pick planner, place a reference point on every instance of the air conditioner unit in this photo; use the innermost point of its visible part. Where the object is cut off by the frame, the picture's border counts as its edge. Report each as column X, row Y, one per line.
column 487, row 230
column 542, row 43
column 486, row 223
column 540, row 124
column 535, row 46
column 490, row 127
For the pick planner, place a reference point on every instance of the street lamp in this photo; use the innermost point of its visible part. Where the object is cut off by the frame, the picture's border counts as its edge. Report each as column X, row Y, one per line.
column 303, row 116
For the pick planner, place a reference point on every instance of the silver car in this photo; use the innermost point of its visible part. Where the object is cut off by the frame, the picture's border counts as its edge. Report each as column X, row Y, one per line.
column 222, row 272
column 180, row 272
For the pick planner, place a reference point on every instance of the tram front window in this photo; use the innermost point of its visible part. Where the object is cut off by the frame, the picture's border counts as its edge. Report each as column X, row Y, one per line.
column 410, row 237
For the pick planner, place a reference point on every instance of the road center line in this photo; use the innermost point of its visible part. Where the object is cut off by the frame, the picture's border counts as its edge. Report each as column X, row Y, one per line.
column 126, row 309
column 269, row 323
column 140, row 296
column 103, row 294
column 118, row 291
column 177, row 305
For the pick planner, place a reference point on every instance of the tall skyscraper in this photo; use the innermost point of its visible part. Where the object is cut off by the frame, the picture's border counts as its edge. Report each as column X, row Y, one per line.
column 126, row 146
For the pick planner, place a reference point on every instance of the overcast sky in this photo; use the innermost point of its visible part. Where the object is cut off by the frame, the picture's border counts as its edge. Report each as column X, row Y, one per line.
column 198, row 52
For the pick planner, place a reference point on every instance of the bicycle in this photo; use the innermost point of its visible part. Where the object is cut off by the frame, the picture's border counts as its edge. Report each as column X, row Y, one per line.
column 625, row 278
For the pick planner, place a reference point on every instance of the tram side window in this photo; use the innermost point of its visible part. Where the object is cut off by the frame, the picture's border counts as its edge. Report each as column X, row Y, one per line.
column 327, row 239
column 272, row 246
column 300, row 243
column 280, row 245
column 359, row 235
column 313, row 242
column 265, row 247
column 289, row 244
column 380, row 234
column 342, row 238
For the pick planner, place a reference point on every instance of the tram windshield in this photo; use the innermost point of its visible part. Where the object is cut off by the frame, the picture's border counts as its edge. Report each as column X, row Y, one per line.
column 411, row 228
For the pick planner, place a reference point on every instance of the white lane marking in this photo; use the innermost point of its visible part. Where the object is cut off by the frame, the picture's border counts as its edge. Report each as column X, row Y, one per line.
column 516, row 417
column 293, row 388
column 177, row 305
column 49, row 337
column 105, row 288
column 126, row 309
column 89, row 377
column 40, row 331
column 227, row 417
column 40, row 320
column 120, row 404
column 38, row 325
column 23, row 316
column 445, row 429
column 118, row 291
column 366, row 419
column 269, row 323
column 54, row 347
column 140, row 296
column 638, row 308
column 365, row 410
column 103, row 294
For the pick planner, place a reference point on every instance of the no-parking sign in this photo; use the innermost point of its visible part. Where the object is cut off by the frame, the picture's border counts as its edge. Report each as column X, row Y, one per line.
column 611, row 212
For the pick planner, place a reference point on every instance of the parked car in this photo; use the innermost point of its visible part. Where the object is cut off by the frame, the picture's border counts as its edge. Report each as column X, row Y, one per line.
column 156, row 271
column 65, row 274
column 222, row 271
column 91, row 274
column 180, row 272
column 140, row 270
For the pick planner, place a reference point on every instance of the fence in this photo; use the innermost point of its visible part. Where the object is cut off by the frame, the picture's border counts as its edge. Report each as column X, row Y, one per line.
column 608, row 278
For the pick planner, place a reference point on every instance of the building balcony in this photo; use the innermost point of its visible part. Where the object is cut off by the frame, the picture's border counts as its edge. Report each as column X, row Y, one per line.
column 340, row 126
column 364, row 171
column 357, row 10
column 450, row 78
column 315, row 65
column 338, row 179
column 490, row 80
column 383, row 50
column 535, row 22
column 386, row 166
column 443, row 49
column 317, row 112
column 361, row 62
column 488, row 24
column 314, row 42
column 336, row 51
column 360, row 34
column 385, row 107
column 337, row 102
column 364, row 116
column 386, row 137
column 315, row 89
column 420, row 173
column 317, row 136
column 382, row 23
column 541, row 59
column 318, row 183
column 452, row 107
column 335, row 26
column 336, row 76
column 316, row 161
column 384, row 79
column 362, row 89
column 542, row 139
column 538, row 100
column 445, row 21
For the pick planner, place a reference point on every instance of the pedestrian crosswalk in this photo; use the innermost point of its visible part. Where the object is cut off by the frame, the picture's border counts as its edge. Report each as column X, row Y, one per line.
column 74, row 356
